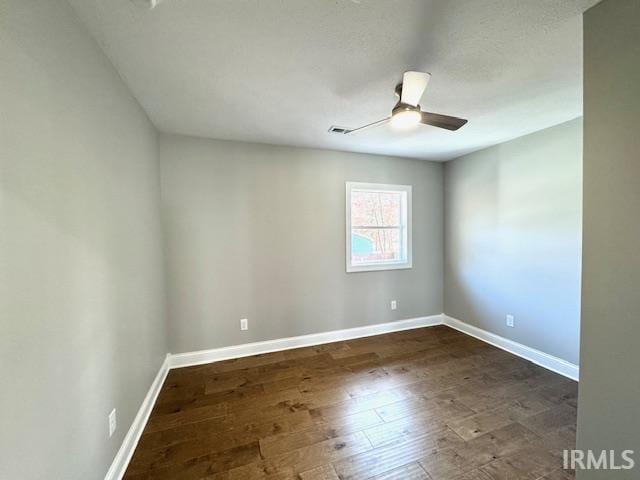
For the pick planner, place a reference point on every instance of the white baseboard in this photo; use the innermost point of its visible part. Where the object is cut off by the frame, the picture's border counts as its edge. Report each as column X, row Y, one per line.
column 236, row 351
column 123, row 457
column 538, row 357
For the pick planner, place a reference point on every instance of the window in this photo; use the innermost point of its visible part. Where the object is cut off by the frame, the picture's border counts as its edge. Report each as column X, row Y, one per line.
column 378, row 227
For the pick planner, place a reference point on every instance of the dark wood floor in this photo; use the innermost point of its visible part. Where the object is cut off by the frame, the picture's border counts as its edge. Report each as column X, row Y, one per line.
column 430, row 403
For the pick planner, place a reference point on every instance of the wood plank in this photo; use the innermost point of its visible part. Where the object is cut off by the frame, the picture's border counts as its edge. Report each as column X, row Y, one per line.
column 446, row 463
column 277, row 444
column 325, row 472
column 305, row 458
column 163, row 422
column 196, row 468
column 386, row 458
column 227, row 431
column 529, row 463
column 551, row 420
column 412, row 471
column 405, row 428
column 506, row 413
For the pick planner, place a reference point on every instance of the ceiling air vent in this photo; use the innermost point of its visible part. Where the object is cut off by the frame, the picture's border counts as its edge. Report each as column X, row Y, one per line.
column 335, row 129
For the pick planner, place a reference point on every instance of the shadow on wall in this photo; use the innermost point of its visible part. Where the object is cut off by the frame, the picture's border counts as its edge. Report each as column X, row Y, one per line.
column 513, row 241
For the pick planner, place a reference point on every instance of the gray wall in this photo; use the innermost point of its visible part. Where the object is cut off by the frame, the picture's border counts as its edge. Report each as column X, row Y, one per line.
column 258, row 231
column 81, row 290
column 609, row 401
column 512, row 239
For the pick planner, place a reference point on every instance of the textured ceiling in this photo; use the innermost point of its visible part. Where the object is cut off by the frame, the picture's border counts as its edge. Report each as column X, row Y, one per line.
column 283, row 71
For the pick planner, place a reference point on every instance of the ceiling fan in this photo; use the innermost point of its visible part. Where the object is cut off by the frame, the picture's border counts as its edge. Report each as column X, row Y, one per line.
column 407, row 113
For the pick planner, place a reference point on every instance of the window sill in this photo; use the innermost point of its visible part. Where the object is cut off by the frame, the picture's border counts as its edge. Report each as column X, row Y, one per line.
column 378, row 267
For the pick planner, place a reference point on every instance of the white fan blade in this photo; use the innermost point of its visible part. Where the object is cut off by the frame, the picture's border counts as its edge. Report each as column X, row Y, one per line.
column 413, row 87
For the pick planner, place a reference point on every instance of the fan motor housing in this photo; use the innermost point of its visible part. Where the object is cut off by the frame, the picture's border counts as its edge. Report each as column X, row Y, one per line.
column 403, row 107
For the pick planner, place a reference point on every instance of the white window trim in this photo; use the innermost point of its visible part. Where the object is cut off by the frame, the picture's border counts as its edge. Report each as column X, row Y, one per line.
column 379, row 266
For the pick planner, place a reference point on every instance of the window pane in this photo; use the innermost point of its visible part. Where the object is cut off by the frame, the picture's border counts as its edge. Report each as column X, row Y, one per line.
column 369, row 245
column 376, row 208
column 378, row 227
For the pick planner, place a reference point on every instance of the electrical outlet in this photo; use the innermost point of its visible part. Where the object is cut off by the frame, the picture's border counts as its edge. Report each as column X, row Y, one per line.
column 244, row 324
column 112, row 422
column 394, row 305
column 511, row 321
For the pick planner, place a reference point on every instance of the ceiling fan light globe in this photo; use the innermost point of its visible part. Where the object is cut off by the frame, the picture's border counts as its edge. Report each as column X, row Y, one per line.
column 405, row 119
